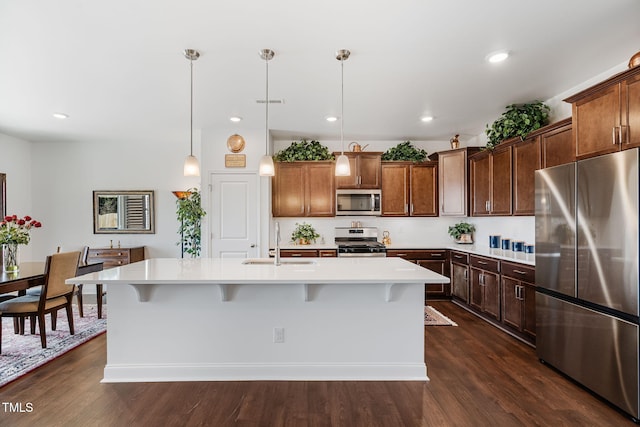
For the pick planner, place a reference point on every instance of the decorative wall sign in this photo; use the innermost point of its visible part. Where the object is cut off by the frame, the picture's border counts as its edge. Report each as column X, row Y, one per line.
column 235, row 160
column 235, row 143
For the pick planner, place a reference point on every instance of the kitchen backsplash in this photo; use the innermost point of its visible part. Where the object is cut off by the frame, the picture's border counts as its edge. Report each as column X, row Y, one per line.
column 430, row 232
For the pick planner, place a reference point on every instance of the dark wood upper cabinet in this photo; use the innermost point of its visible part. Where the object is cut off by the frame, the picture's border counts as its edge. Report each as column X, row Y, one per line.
column 365, row 170
column 409, row 189
column 526, row 160
column 606, row 117
column 453, row 180
column 303, row 189
column 491, row 177
column 557, row 144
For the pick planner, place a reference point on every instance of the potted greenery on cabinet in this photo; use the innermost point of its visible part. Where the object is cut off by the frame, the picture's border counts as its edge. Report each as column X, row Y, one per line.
column 303, row 150
column 190, row 213
column 518, row 120
column 406, row 152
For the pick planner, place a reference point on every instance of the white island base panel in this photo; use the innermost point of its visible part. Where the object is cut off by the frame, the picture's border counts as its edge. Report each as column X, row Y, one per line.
column 224, row 319
column 186, row 333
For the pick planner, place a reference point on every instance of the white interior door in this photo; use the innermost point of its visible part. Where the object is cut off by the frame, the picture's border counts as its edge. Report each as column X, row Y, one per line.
column 234, row 215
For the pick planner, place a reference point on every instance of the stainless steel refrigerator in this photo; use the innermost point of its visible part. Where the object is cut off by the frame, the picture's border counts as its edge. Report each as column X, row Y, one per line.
column 587, row 274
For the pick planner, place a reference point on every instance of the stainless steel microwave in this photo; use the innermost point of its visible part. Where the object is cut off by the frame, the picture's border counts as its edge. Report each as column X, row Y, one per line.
column 358, row 202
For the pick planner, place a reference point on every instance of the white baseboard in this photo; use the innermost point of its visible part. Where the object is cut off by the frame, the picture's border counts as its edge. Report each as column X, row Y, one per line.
column 265, row 372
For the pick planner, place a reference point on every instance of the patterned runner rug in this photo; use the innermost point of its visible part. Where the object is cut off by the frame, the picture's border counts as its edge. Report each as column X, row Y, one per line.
column 433, row 317
column 24, row 353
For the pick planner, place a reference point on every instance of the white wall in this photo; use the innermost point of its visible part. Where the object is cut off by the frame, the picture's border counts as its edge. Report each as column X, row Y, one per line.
column 15, row 161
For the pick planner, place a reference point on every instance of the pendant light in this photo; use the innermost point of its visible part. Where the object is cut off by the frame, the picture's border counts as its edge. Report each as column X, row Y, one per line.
column 266, row 162
column 191, row 165
column 342, row 163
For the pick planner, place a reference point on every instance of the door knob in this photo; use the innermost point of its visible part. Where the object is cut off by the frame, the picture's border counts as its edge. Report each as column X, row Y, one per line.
column 253, row 245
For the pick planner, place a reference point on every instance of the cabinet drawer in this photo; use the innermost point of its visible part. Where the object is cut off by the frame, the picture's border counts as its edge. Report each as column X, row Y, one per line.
column 327, row 253
column 414, row 254
column 460, row 257
column 288, row 253
column 109, row 256
column 483, row 263
column 519, row 271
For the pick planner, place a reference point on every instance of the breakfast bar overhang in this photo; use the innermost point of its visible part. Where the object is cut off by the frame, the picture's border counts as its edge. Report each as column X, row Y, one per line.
column 236, row 319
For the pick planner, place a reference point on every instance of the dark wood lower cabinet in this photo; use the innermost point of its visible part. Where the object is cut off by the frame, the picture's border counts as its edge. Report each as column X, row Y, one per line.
column 459, row 268
column 485, row 292
column 519, row 299
column 433, row 259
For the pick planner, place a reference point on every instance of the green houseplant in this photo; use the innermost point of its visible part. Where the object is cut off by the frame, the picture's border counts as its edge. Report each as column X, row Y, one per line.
column 304, row 234
column 303, row 150
column 518, row 120
column 404, row 151
column 461, row 232
column 190, row 213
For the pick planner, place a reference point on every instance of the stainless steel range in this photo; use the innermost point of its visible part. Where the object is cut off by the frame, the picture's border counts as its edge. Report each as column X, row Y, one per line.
column 359, row 242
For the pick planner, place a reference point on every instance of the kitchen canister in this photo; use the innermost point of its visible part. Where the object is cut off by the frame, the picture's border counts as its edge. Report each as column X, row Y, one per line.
column 506, row 244
column 494, row 242
column 517, row 246
column 528, row 249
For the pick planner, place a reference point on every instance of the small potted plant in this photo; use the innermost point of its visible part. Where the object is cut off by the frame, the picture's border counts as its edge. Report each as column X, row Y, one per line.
column 461, row 232
column 304, row 234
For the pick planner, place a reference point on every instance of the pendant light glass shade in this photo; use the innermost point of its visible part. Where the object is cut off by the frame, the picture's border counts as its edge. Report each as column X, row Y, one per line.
column 191, row 165
column 266, row 167
column 343, row 168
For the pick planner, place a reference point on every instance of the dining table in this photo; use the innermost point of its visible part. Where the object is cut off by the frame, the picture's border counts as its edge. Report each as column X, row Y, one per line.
column 31, row 274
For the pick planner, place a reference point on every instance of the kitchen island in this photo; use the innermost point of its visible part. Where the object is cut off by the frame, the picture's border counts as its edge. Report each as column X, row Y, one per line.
column 235, row 319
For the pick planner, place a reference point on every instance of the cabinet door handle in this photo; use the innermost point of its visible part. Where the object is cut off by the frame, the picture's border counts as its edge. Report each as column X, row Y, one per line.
column 626, row 140
column 411, row 207
column 466, row 274
column 613, row 135
column 296, row 254
column 481, row 279
column 519, row 271
column 406, row 207
column 458, row 256
column 401, row 255
column 482, row 263
column 436, row 254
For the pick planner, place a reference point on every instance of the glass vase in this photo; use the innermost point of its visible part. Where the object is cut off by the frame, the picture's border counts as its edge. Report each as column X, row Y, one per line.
column 10, row 259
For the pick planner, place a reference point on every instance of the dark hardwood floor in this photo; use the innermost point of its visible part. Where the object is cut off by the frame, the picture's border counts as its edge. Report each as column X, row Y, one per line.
column 479, row 375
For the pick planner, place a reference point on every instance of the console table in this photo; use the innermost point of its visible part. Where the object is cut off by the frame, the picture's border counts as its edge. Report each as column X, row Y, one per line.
column 115, row 257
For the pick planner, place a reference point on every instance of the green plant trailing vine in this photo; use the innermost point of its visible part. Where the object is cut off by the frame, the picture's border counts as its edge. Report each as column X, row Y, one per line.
column 190, row 213
column 404, row 151
column 303, row 150
column 518, row 120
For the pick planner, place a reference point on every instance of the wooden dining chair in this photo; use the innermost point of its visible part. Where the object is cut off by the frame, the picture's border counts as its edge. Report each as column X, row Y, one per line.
column 55, row 295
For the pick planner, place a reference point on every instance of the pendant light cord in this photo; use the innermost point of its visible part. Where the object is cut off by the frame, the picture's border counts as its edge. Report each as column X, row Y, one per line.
column 266, row 118
column 342, row 103
column 191, row 123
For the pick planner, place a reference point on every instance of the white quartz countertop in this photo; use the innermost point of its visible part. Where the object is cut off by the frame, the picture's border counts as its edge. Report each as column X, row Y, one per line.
column 232, row 271
column 520, row 257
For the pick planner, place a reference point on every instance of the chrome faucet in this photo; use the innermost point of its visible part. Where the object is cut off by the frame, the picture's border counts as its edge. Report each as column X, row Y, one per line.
column 277, row 232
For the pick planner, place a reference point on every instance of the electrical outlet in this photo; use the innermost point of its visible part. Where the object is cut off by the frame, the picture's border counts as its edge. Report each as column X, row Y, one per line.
column 278, row 335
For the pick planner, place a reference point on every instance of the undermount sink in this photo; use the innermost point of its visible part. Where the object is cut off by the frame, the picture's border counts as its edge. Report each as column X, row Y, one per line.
column 268, row 261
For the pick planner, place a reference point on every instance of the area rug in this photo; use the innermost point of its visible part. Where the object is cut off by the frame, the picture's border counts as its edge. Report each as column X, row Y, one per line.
column 433, row 317
column 24, row 353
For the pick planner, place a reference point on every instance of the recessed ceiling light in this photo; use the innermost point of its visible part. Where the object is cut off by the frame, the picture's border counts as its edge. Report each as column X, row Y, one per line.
column 235, row 119
column 332, row 119
column 496, row 57
column 60, row 116
column 427, row 119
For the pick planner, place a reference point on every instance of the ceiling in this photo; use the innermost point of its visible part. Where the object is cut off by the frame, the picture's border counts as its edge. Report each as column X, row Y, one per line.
column 117, row 67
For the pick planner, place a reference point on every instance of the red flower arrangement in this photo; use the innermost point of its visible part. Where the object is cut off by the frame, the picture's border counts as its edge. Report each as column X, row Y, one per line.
column 16, row 230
